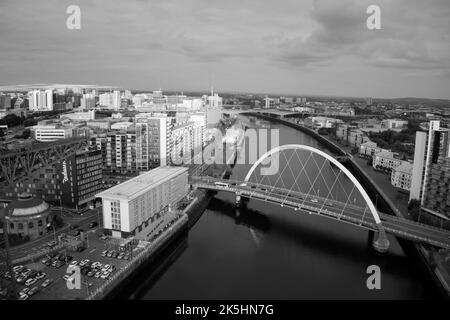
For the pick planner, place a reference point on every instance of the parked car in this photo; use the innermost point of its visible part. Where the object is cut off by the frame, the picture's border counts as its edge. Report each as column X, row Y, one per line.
column 33, row 291
column 33, row 274
column 93, row 224
column 46, row 259
column 84, row 262
column 23, row 296
column 24, row 290
column 29, row 282
column 17, row 268
column 106, row 267
column 26, row 273
column 21, row 279
column 73, row 263
column 46, row 283
column 104, row 253
column 59, row 264
column 41, row 275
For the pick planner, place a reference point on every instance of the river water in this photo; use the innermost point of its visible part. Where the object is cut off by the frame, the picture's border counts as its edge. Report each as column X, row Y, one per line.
column 269, row 252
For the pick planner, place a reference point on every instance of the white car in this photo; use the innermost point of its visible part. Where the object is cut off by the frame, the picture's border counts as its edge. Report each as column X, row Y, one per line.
column 106, row 267
column 84, row 262
column 314, row 200
column 29, row 282
column 23, row 296
column 41, row 275
column 24, row 290
column 17, row 268
column 105, row 275
column 73, row 263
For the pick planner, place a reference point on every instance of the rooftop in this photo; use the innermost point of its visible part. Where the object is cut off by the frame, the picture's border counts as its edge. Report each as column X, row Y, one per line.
column 406, row 167
column 385, row 154
column 134, row 187
column 26, row 205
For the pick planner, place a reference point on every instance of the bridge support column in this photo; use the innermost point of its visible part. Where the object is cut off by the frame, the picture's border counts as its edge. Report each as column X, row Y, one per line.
column 238, row 199
column 381, row 242
column 370, row 237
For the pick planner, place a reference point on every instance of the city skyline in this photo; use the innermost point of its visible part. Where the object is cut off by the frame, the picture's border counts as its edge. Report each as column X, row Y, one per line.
column 322, row 47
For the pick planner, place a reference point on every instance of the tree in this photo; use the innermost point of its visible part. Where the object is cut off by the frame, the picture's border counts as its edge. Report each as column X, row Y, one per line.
column 29, row 122
column 26, row 134
column 11, row 120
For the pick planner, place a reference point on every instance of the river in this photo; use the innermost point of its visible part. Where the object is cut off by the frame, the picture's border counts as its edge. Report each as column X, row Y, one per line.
column 270, row 252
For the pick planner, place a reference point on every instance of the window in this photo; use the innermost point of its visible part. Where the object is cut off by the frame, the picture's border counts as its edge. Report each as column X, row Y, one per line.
column 30, row 225
column 20, row 226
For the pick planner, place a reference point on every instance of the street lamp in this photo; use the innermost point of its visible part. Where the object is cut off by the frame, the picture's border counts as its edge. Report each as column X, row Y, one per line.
column 52, row 224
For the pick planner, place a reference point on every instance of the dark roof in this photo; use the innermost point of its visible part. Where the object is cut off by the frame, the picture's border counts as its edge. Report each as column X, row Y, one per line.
column 26, row 205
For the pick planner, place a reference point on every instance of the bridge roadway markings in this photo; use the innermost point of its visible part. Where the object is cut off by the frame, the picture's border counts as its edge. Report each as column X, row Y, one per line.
column 414, row 231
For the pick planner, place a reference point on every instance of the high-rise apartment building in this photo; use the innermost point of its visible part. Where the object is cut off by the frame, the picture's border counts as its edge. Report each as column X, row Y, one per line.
column 153, row 140
column 5, row 102
column 111, row 100
column 120, row 152
column 41, row 100
column 88, row 101
column 425, row 151
column 437, row 199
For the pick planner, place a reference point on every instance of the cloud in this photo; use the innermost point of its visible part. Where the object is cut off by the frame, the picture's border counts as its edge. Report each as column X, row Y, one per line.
column 147, row 40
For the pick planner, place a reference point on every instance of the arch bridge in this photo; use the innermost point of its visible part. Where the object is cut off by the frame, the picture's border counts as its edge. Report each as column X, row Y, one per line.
column 311, row 181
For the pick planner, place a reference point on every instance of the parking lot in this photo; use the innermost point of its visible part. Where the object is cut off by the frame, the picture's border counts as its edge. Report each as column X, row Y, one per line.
column 46, row 279
column 47, row 275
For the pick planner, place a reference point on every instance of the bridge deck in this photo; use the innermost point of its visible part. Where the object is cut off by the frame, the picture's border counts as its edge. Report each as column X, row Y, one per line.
column 344, row 212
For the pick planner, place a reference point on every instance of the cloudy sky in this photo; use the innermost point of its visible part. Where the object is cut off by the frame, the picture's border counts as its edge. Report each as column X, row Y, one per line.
column 266, row 46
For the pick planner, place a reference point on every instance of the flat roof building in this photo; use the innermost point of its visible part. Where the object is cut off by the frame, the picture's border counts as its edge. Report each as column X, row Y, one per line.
column 136, row 206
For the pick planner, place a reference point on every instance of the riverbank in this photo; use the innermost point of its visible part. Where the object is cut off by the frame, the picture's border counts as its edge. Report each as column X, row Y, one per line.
column 425, row 256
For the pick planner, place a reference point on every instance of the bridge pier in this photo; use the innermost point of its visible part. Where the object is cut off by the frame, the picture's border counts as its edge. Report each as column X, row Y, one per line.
column 237, row 212
column 381, row 242
column 238, row 199
column 370, row 238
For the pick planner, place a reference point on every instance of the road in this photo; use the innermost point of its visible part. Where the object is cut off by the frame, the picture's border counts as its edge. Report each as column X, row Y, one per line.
column 40, row 243
column 348, row 213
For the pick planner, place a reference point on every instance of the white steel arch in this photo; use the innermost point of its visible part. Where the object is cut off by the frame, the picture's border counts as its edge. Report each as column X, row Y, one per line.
column 369, row 202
